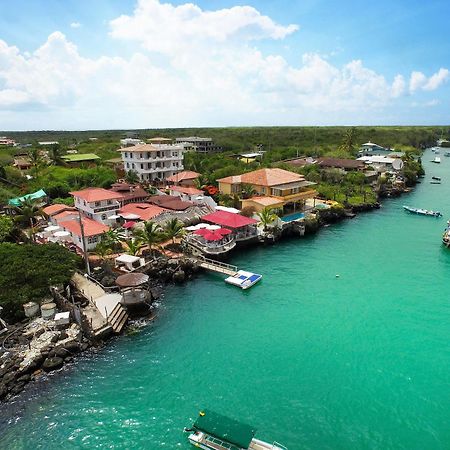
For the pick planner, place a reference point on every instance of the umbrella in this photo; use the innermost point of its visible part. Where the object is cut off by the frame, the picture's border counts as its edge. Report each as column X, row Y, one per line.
column 132, row 279
column 129, row 224
column 61, row 234
column 114, row 217
column 213, row 235
column 214, row 227
column 130, row 216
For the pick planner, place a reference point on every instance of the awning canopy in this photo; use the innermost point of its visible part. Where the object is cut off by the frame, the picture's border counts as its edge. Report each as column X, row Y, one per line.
column 228, row 219
column 224, row 428
column 127, row 258
column 212, row 235
column 34, row 196
column 129, row 224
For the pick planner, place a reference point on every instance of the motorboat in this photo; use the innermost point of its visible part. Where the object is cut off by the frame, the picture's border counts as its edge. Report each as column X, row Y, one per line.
column 436, row 178
column 437, row 160
column 446, row 235
column 422, row 212
column 212, row 431
column 243, row 279
column 435, row 182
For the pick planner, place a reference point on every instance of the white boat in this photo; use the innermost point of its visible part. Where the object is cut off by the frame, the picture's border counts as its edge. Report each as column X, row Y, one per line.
column 422, row 212
column 437, row 160
column 446, row 235
column 447, row 153
column 212, row 431
column 243, row 279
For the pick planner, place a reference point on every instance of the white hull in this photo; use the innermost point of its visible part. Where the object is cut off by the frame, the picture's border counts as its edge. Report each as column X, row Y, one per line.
column 200, row 440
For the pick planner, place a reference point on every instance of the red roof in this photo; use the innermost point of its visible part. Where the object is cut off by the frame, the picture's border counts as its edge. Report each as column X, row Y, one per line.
column 264, row 177
column 96, row 194
column 91, row 227
column 64, row 215
column 170, row 202
column 213, row 235
column 56, row 208
column 145, row 211
column 187, row 190
column 231, row 220
column 186, row 175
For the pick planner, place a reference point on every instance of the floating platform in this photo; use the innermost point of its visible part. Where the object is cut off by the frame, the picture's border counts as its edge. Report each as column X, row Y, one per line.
column 243, row 279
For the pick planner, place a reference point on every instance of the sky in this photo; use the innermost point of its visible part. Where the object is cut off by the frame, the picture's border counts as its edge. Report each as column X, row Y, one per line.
column 116, row 64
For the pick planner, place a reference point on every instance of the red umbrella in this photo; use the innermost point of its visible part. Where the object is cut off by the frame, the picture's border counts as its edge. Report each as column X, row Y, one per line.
column 212, row 235
column 129, row 224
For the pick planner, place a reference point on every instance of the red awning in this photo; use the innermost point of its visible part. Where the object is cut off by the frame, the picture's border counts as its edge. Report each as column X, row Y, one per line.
column 212, row 235
column 129, row 224
column 227, row 219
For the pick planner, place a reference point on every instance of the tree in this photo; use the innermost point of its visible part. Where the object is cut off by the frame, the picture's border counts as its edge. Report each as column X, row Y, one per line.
column 111, row 239
column 267, row 217
column 36, row 161
column 348, row 142
column 247, row 190
column 173, row 228
column 55, row 154
column 27, row 271
column 6, row 227
column 132, row 177
column 133, row 246
column 150, row 235
column 27, row 212
column 102, row 250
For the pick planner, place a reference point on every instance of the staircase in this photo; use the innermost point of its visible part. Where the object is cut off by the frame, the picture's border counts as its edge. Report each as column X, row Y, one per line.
column 118, row 318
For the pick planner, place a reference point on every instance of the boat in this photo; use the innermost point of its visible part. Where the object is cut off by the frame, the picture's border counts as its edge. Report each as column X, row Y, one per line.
column 435, row 182
column 436, row 150
column 243, row 279
column 436, row 178
column 447, row 153
column 446, row 235
column 217, row 432
column 422, row 212
column 437, row 160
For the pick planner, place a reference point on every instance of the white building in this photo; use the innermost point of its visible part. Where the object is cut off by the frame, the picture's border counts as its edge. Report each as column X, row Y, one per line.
column 199, row 144
column 371, row 149
column 153, row 161
column 382, row 163
column 98, row 204
column 129, row 142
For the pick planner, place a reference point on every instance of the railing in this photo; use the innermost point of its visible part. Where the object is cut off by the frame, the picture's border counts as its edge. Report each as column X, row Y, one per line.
column 276, row 444
column 106, row 208
column 225, row 246
column 213, row 262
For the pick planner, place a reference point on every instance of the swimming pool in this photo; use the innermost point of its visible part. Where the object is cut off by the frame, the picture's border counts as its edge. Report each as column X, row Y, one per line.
column 291, row 217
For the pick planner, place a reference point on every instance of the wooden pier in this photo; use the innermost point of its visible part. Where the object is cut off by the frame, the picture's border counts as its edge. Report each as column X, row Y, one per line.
column 217, row 266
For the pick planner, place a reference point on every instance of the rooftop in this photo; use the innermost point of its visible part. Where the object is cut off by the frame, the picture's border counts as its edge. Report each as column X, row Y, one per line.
column 65, row 215
column 91, row 227
column 181, row 176
column 264, row 177
column 79, row 157
column 145, row 211
column 228, row 219
column 154, row 147
column 340, row 163
column 96, row 194
column 266, row 201
column 187, row 190
column 56, row 208
column 172, row 202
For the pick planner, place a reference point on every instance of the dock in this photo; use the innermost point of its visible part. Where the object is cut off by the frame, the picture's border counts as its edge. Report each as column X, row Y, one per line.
column 217, row 266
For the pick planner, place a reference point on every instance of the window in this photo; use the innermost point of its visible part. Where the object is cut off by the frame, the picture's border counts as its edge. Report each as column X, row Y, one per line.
column 103, row 216
column 141, row 156
column 92, row 239
column 128, row 165
column 263, row 190
column 142, row 166
column 132, row 165
column 148, row 154
column 97, row 203
column 109, row 202
column 126, row 155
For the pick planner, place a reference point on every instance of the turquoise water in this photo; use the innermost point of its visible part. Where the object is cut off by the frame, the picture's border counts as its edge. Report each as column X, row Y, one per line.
column 313, row 361
column 291, row 217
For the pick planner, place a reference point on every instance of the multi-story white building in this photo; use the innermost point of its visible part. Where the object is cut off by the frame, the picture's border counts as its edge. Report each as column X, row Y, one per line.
column 153, row 162
column 98, row 204
column 199, row 144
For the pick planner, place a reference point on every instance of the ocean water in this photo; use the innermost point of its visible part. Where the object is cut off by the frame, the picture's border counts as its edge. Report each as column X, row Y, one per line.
column 314, row 361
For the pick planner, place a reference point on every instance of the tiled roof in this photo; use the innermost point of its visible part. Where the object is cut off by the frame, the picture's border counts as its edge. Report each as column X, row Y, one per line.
column 65, row 215
column 170, row 202
column 264, row 177
column 130, row 191
column 145, row 211
column 91, row 227
column 56, row 208
column 340, row 163
column 266, row 201
column 96, row 194
column 228, row 219
column 185, row 175
column 187, row 190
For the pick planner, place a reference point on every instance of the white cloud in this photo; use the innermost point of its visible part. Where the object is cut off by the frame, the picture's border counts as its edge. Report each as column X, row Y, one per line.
column 191, row 67
column 75, row 25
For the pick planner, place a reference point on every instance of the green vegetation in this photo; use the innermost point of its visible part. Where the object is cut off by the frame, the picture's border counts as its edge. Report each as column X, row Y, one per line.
column 27, row 271
column 173, row 228
column 267, row 217
column 6, row 228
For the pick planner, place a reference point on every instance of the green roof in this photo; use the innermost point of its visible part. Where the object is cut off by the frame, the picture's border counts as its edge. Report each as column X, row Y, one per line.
column 35, row 195
column 80, row 157
column 224, row 428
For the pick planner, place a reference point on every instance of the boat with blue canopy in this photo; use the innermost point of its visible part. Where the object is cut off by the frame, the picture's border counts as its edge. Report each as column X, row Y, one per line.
column 213, row 431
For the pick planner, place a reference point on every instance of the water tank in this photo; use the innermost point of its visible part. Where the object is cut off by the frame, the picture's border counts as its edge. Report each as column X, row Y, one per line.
column 48, row 310
column 31, row 309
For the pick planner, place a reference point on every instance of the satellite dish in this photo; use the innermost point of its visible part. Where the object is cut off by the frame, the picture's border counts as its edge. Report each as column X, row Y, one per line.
column 397, row 164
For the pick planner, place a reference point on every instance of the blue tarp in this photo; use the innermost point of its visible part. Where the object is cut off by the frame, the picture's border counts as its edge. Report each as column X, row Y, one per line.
column 19, row 200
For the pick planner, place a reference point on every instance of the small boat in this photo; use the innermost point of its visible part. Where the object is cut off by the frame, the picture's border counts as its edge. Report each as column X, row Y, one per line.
column 447, row 153
column 436, row 178
column 435, row 182
column 436, row 150
column 437, row 160
column 446, row 235
column 216, row 432
column 243, row 279
column 422, row 212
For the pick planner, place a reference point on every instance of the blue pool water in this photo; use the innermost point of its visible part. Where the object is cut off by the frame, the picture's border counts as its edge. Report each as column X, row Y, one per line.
column 292, row 217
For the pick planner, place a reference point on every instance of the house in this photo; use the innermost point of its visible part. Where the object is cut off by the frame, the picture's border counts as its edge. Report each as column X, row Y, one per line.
column 172, row 202
column 81, row 159
column 46, row 143
column 92, row 231
column 199, row 144
column 186, row 193
column 98, row 204
column 371, row 149
column 185, row 178
column 7, row 142
column 276, row 188
column 131, row 193
column 142, row 211
column 57, row 208
column 300, row 162
column 153, row 162
column 242, row 228
column 382, row 163
column 129, row 142
column 22, row 163
column 69, row 214
column 340, row 163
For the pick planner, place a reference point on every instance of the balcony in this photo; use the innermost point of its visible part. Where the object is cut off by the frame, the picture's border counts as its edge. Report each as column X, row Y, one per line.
column 296, row 197
column 100, row 209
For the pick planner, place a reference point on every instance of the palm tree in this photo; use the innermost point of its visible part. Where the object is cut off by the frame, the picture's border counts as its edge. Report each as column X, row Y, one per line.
column 27, row 212
column 173, row 228
column 267, row 217
column 55, row 154
column 36, row 160
column 150, row 235
column 110, row 238
column 102, row 250
column 247, row 190
column 133, row 246
column 348, row 141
